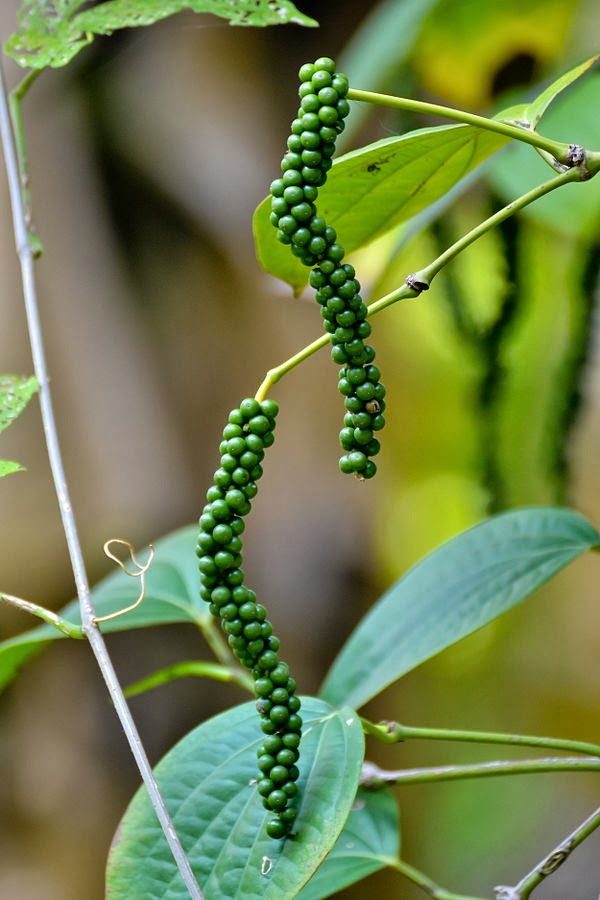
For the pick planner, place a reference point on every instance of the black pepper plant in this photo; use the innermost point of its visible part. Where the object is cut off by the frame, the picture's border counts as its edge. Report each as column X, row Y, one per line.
column 277, row 804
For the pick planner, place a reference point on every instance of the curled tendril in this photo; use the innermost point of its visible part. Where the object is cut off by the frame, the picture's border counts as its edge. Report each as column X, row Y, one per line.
column 140, row 572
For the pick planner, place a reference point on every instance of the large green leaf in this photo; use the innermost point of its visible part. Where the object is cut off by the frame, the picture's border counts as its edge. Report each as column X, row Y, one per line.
column 369, row 842
column 458, row 588
column 208, row 781
column 52, row 32
column 171, row 596
column 372, row 190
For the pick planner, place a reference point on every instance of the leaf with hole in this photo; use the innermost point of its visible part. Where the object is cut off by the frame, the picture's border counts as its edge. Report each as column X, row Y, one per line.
column 208, row 781
column 369, row 842
column 372, row 190
column 171, row 596
column 452, row 592
column 51, row 33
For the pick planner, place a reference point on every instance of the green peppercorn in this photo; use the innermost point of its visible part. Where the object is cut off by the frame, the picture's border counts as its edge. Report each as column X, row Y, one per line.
column 287, row 757
column 291, row 741
column 279, row 774
column 277, row 799
column 273, row 744
column 277, row 829
column 265, row 786
column 266, row 762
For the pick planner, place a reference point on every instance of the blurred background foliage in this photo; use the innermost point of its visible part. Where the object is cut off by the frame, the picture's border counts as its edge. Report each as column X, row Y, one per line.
column 148, row 156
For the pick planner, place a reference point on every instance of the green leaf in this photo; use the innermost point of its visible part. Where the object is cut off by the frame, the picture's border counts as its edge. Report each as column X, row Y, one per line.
column 208, row 781
column 7, row 467
column 15, row 394
column 369, row 842
column 536, row 109
column 171, row 596
column 372, row 190
column 51, row 33
column 456, row 589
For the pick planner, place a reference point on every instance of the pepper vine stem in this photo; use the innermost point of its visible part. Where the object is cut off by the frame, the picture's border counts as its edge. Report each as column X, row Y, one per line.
column 551, row 862
column 420, row 281
column 394, row 732
column 425, row 883
column 89, row 627
column 15, row 106
column 557, row 149
column 215, row 640
column 375, row 779
column 71, row 629
column 425, row 276
column 193, row 669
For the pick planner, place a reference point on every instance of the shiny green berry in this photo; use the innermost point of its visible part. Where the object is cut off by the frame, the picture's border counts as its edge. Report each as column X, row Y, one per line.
column 276, row 829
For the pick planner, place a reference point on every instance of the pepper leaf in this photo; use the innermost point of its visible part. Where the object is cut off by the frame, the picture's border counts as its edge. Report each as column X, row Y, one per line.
column 7, row 467
column 452, row 592
column 208, row 781
column 52, row 32
column 372, row 190
column 15, row 394
column 369, row 842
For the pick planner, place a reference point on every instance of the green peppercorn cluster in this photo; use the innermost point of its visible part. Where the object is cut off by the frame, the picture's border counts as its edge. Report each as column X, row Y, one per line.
column 311, row 145
column 248, row 433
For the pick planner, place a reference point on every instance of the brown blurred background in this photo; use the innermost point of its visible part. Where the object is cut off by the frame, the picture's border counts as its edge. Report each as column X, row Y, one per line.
column 148, row 156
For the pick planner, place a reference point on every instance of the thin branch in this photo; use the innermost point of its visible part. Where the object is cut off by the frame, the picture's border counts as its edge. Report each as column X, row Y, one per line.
column 420, row 281
column 214, row 638
column 71, row 629
column 375, row 779
column 191, row 669
column 425, row 883
column 89, row 626
column 16, row 112
column 394, row 732
column 551, row 862
column 557, row 149
column 426, row 275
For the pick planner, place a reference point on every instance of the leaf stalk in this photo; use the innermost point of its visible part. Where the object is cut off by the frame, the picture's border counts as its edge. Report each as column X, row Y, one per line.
column 70, row 629
column 374, row 778
column 394, row 732
column 425, row 883
column 191, row 669
column 557, row 149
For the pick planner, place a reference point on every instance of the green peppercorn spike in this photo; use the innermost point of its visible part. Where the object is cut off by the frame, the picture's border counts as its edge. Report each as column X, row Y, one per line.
column 320, row 119
column 249, row 634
